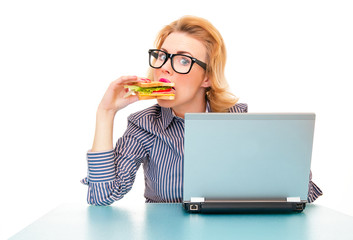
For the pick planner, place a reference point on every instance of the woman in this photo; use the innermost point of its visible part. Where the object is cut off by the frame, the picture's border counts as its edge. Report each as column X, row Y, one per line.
column 155, row 136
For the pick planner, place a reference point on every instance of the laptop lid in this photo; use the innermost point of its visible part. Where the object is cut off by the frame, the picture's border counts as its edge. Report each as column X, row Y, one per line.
column 247, row 155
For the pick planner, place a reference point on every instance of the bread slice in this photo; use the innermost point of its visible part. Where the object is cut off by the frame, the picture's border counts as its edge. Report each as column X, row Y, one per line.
column 168, row 96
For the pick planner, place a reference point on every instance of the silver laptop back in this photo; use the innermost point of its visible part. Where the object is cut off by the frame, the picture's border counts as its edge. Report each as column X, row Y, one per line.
column 247, row 155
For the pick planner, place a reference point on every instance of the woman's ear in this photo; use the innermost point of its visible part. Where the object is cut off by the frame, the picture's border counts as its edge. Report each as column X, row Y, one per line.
column 206, row 82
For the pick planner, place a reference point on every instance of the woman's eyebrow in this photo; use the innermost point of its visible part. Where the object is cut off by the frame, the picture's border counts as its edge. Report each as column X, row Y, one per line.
column 178, row 52
column 184, row 52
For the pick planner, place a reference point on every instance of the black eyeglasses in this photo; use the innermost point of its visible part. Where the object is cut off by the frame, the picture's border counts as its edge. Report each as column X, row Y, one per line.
column 180, row 63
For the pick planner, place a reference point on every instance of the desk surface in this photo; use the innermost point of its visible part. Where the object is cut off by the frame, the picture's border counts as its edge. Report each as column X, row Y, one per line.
column 169, row 221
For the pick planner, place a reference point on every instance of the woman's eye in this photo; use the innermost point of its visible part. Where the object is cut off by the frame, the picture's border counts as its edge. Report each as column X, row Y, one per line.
column 185, row 61
column 161, row 56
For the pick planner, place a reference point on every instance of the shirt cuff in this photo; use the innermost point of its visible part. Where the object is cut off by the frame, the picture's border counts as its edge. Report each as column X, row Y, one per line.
column 101, row 166
column 314, row 192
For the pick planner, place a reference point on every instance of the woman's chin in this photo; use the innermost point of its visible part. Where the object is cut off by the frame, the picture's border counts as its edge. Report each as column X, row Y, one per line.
column 165, row 103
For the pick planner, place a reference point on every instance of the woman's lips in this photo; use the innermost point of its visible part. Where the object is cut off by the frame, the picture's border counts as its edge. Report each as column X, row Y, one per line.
column 164, row 80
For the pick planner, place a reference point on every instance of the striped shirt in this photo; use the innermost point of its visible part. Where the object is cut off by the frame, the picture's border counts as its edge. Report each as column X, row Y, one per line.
column 154, row 138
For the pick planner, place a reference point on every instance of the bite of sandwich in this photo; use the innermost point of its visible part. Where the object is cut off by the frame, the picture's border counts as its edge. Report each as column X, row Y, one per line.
column 146, row 89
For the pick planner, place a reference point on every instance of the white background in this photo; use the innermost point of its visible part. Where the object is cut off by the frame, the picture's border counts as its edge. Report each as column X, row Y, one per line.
column 58, row 57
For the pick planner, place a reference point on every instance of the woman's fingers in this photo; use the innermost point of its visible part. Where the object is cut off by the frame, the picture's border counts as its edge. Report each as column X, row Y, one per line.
column 123, row 81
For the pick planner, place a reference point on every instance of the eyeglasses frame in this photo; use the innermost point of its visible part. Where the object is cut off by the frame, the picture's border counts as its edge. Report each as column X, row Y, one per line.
column 171, row 55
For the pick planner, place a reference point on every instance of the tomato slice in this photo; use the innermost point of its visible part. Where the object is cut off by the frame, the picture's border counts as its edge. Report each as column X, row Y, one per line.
column 163, row 91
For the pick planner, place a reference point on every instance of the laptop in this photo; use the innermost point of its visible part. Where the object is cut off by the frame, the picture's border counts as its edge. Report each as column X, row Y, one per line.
column 247, row 162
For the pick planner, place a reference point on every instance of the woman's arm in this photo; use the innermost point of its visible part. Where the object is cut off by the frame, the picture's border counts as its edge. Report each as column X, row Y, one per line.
column 103, row 137
column 104, row 185
column 112, row 101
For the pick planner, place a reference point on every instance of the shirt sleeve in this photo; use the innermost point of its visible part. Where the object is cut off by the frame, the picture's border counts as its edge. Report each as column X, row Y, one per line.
column 314, row 190
column 239, row 108
column 111, row 174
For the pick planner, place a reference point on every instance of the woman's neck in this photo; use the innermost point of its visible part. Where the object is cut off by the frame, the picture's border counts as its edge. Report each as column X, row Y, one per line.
column 181, row 110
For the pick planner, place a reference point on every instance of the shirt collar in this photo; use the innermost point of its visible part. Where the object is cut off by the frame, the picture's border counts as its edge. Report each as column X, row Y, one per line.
column 168, row 115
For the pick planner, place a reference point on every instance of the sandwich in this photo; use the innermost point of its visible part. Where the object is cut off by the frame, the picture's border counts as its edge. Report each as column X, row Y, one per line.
column 146, row 89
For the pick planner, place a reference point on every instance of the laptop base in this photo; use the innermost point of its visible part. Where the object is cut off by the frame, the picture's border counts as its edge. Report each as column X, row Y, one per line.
column 217, row 207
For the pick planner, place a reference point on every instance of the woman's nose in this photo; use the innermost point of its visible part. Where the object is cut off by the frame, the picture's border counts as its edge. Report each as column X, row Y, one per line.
column 167, row 67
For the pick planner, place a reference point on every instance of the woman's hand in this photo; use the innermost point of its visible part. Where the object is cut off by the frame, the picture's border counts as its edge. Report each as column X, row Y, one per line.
column 113, row 99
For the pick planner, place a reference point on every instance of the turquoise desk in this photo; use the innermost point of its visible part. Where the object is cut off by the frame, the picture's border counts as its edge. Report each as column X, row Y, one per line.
column 169, row 221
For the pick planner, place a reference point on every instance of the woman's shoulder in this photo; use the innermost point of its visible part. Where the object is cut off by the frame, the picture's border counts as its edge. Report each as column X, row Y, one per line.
column 239, row 108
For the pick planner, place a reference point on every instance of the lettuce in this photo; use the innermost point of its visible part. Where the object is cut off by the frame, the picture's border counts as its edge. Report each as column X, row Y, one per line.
column 146, row 90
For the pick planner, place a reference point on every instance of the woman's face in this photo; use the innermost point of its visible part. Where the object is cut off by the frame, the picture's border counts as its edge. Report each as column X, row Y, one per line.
column 189, row 88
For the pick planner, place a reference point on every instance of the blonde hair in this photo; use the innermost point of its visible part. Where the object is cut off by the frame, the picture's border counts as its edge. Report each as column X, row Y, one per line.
column 218, row 95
